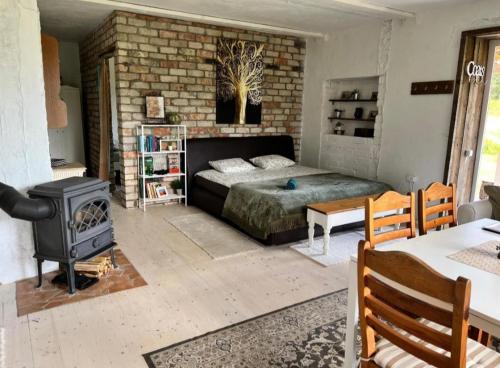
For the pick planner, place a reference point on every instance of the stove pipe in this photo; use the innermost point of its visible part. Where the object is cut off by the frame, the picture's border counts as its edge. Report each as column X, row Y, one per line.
column 18, row 206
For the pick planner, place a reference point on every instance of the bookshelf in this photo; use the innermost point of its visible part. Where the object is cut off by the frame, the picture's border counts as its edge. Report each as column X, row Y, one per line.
column 161, row 159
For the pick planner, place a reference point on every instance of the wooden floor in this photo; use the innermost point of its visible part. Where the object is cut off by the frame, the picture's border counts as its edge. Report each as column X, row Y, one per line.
column 188, row 294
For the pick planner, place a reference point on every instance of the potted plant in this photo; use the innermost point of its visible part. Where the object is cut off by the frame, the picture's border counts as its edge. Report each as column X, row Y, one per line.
column 173, row 118
column 177, row 186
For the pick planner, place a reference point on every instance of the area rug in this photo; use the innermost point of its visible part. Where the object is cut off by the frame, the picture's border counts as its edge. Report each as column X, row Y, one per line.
column 308, row 334
column 342, row 246
column 216, row 238
column 29, row 299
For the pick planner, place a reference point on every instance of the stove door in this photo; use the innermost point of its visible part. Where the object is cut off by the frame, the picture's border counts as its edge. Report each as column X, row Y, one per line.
column 91, row 215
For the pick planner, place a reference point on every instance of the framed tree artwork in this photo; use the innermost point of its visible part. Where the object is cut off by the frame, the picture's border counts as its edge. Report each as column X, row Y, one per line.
column 240, row 72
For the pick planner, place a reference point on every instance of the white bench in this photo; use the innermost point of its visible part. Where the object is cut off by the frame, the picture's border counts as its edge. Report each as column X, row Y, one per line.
column 336, row 213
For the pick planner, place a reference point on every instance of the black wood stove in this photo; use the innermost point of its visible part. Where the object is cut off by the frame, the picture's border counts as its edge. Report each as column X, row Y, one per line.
column 81, row 227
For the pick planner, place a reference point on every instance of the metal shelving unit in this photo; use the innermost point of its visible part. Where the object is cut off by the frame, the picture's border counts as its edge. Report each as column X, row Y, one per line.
column 179, row 134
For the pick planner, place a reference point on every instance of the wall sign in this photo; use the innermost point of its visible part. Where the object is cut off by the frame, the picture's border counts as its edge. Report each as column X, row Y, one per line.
column 432, row 88
column 475, row 72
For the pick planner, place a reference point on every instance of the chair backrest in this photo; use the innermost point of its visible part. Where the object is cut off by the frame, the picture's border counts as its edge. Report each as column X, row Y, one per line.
column 400, row 210
column 445, row 207
column 387, row 311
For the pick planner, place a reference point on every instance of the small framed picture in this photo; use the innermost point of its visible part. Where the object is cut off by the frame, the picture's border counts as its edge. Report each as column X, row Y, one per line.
column 346, row 95
column 155, row 107
column 161, row 192
column 373, row 114
column 169, row 144
column 375, row 96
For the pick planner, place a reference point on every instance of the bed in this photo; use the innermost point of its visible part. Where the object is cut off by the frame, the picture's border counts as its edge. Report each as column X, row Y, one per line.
column 257, row 202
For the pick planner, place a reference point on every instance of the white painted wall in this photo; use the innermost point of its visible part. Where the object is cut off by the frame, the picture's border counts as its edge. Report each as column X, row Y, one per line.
column 67, row 142
column 415, row 128
column 349, row 53
column 348, row 154
column 69, row 63
column 415, row 135
column 24, row 145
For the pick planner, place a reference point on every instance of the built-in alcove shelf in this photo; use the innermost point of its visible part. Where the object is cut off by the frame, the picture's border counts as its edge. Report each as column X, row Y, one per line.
column 358, row 113
column 334, row 138
column 351, row 119
column 357, row 151
column 340, row 100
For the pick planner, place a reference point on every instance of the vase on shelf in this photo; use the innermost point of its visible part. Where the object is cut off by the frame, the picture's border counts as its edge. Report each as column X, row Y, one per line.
column 339, row 129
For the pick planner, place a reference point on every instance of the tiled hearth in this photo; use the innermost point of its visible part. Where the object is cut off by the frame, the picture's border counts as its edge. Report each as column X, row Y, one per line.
column 30, row 299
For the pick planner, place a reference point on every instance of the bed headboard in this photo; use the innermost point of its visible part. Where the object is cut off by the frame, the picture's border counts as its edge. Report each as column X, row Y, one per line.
column 202, row 150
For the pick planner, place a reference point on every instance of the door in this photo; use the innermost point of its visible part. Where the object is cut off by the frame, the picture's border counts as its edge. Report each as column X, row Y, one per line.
column 487, row 162
column 466, row 115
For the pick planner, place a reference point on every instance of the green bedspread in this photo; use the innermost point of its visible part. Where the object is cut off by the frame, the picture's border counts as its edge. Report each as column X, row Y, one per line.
column 265, row 207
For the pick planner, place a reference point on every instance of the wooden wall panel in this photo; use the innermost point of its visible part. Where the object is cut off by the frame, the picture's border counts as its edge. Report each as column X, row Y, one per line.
column 57, row 116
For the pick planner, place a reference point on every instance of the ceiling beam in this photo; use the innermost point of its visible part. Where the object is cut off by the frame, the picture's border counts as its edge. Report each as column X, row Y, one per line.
column 149, row 10
column 363, row 7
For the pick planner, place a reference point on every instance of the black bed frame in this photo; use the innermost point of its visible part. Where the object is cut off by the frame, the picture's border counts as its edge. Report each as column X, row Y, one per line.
column 202, row 150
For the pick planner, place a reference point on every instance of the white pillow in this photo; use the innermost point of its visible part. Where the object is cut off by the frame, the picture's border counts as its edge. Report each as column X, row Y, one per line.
column 272, row 162
column 231, row 165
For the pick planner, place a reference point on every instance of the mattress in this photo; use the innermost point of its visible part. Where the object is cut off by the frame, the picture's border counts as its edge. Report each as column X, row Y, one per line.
column 215, row 188
column 265, row 207
column 207, row 178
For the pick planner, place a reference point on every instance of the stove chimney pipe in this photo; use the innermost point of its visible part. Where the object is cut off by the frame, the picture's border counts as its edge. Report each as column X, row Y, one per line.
column 18, row 206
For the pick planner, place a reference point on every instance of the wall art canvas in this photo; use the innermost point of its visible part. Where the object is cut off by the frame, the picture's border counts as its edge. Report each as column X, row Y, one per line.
column 155, row 107
column 240, row 73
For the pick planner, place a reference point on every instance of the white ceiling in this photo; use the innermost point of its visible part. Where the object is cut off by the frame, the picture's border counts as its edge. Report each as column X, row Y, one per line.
column 73, row 19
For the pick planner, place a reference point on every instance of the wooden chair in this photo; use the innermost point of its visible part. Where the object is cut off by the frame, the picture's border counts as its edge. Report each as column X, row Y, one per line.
column 446, row 209
column 391, row 315
column 390, row 202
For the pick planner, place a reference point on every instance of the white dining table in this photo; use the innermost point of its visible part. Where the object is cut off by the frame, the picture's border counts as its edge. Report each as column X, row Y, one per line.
column 434, row 249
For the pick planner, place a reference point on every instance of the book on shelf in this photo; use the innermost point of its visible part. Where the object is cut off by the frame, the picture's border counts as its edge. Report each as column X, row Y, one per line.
column 148, row 166
column 151, row 143
column 148, row 143
column 174, row 165
column 155, row 190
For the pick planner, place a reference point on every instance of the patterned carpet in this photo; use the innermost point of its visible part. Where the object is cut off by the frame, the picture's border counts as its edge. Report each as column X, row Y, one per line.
column 308, row 334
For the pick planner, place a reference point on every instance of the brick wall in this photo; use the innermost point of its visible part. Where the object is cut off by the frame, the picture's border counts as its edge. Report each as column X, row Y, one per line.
column 176, row 59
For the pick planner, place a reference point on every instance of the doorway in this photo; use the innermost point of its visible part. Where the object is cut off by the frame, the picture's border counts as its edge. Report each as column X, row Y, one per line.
column 470, row 115
column 109, row 147
column 487, row 167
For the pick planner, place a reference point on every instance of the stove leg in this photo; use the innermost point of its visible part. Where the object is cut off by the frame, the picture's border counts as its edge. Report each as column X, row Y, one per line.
column 39, row 267
column 70, row 272
column 113, row 259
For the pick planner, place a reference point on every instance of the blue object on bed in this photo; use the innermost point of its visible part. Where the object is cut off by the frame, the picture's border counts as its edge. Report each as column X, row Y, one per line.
column 291, row 184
